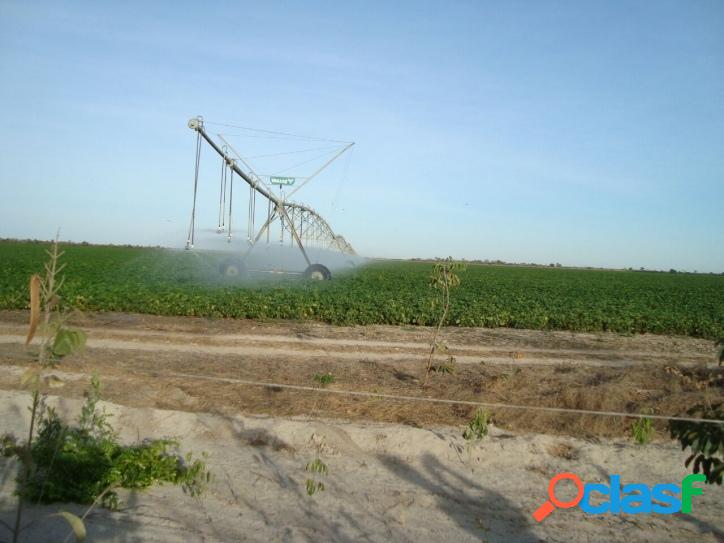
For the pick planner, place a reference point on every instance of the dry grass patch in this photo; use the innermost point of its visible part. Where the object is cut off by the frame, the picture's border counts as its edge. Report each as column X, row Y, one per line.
column 563, row 450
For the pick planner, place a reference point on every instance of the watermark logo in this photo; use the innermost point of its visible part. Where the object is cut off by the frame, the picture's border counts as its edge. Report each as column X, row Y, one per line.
column 632, row 499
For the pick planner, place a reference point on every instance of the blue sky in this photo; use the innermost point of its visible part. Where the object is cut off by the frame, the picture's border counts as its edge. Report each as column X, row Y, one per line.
column 586, row 133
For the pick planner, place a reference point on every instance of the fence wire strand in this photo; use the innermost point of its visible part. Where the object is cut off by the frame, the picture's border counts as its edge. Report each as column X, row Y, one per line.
column 380, row 395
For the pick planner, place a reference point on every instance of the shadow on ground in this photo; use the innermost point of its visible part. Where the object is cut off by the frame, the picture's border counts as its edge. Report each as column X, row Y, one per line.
column 482, row 513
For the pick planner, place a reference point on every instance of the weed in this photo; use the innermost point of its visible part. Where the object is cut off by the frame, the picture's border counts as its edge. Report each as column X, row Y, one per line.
column 444, row 367
column 324, row 379
column 477, row 428
column 317, row 468
column 80, row 463
column 643, row 431
column 56, row 342
column 444, row 277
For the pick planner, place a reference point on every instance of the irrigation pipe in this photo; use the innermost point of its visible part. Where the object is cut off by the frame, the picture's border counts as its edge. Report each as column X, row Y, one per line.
column 363, row 394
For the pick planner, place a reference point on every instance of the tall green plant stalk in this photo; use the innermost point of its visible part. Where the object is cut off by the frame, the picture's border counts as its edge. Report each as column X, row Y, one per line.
column 92, row 441
column 25, row 465
column 444, row 277
column 43, row 294
column 49, row 289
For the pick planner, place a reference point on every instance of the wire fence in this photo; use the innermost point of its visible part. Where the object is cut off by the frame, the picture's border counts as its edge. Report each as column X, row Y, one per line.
column 399, row 397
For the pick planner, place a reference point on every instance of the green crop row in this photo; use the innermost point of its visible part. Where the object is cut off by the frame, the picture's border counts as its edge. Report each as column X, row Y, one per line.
column 166, row 282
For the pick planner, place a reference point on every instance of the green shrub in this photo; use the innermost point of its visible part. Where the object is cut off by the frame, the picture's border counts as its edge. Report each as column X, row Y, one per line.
column 643, row 431
column 82, row 462
column 324, row 379
column 477, row 428
column 705, row 441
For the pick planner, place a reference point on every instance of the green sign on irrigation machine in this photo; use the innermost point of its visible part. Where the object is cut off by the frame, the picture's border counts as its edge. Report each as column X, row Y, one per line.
column 286, row 181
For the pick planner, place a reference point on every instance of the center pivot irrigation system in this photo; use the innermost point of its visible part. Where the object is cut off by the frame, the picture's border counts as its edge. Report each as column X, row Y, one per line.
column 304, row 226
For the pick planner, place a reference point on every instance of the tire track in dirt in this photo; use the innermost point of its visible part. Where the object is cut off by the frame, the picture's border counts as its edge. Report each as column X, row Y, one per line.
column 264, row 346
column 142, row 359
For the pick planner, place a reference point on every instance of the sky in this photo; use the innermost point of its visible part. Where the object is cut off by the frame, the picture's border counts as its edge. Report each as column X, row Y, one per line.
column 586, row 133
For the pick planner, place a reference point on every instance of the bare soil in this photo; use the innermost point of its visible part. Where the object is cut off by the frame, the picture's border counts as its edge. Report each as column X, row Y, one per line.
column 385, row 482
column 136, row 355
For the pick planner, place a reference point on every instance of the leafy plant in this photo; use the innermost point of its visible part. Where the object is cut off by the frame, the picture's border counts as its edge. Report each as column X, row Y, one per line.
column 44, row 300
column 78, row 463
column 705, row 440
column 324, row 379
column 91, row 419
column 444, row 277
column 82, row 463
column 444, row 367
column 477, row 428
column 643, row 431
column 317, row 468
column 67, row 342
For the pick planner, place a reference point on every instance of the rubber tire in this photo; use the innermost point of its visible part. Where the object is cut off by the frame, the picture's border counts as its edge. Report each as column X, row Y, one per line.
column 233, row 268
column 317, row 272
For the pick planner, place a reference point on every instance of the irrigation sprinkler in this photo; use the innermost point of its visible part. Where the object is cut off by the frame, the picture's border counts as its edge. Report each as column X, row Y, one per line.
column 303, row 225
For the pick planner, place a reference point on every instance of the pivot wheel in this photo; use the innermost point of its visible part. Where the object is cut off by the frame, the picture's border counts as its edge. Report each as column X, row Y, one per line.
column 233, row 268
column 317, row 272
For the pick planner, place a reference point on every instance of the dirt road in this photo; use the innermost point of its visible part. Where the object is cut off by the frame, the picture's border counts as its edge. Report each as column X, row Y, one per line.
column 139, row 358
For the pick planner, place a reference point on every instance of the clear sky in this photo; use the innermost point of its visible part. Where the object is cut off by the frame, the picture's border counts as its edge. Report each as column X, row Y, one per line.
column 586, row 133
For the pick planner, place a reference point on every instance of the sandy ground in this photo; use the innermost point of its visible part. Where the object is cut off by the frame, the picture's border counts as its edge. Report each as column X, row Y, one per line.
column 385, row 483
column 398, row 470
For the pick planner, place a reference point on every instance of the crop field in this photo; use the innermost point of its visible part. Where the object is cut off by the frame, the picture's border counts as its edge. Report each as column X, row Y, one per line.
column 165, row 282
column 363, row 401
